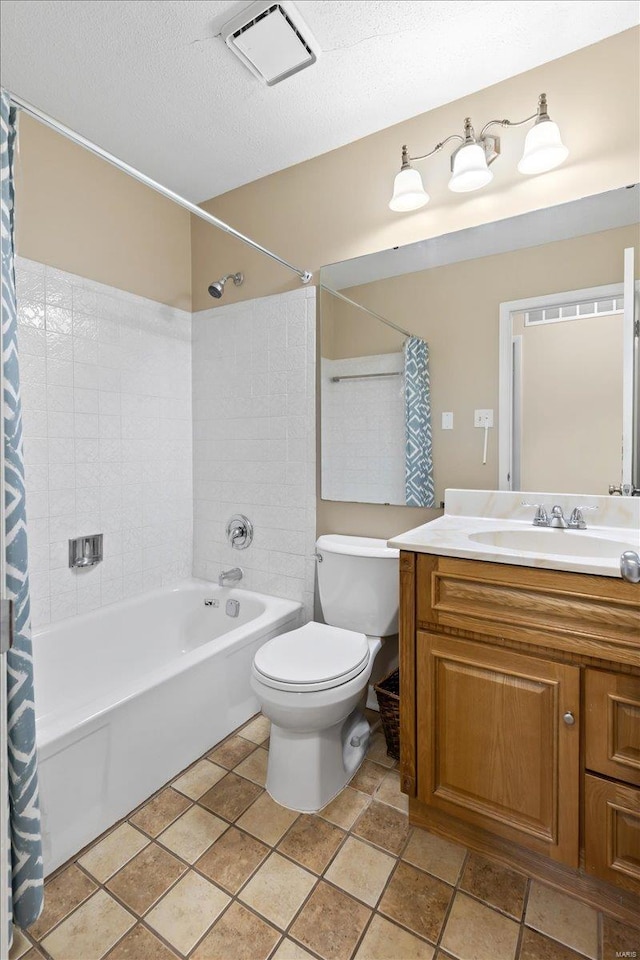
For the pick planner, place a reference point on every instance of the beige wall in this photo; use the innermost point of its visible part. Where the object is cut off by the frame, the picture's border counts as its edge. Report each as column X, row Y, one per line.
column 78, row 213
column 456, row 309
column 335, row 206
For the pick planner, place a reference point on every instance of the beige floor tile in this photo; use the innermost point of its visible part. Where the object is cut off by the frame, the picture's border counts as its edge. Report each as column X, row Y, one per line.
column 535, row 946
column 192, row 833
column 383, row 825
column 254, row 767
column 345, row 809
column 257, row 730
column 141, row 944
column 330, row 923
column 563, row 918
column 229, row 753
column 90, row 931
column 361, row 870
column 33, row 954
column 389, row 792
column 20, row 945
column 368, row 777
column 62, row 895
column 386, row 941
column 230, row 796
column 267, row 820
column 200, row 778
column 111, row 853
column 156, row 815
column 288, row 950
column 496, row 885
column 187, row 911
column 145, row 878
column 435, row 855
column 237, row 935
column 312, row 842
column 618, row 938
column 232, row 859
column 278, row 889
column 378, row 750
column 416, row 900
column 475, row 932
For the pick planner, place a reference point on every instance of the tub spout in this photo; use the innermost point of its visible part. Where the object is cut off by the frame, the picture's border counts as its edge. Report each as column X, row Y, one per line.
column 230, row 576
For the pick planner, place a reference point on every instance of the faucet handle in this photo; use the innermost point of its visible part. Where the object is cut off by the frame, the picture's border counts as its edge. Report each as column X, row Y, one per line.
column 541, row 518
column 576, row 520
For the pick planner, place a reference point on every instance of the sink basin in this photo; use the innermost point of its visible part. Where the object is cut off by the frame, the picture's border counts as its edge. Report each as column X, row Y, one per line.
column 566, row 543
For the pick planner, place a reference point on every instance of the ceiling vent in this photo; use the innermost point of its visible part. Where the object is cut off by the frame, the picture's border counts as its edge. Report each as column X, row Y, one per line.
column 272, row 40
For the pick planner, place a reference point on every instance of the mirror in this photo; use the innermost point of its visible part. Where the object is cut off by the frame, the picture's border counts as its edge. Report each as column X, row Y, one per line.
column 472, row 296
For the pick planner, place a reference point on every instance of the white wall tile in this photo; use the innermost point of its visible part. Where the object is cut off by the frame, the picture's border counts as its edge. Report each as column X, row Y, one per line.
column 80, row 343
column 254, row 446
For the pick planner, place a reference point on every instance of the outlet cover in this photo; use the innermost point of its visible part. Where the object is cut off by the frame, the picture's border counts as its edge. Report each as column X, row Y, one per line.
column 483, row 418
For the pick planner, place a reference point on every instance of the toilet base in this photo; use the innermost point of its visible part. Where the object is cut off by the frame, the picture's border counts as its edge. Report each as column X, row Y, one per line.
column 307, row 770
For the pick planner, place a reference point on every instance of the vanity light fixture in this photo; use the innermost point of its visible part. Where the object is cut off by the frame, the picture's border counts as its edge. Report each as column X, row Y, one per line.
column 470, row 162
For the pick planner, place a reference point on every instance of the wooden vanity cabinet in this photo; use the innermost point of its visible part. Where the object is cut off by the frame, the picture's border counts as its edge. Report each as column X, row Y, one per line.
column 493, row 747
column 520, row 718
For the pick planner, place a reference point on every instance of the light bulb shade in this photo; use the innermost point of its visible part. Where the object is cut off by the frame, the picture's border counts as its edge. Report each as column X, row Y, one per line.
column 543, row 149
column 470, row 170
column 408, row 191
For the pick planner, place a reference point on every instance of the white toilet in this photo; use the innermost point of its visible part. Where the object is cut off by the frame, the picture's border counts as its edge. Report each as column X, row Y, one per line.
column 311, row 682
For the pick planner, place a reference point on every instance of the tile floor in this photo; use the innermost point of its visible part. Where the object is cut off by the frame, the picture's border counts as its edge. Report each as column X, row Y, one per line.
column 211, row 868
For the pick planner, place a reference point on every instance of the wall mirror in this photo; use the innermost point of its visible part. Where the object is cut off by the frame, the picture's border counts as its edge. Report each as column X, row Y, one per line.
column 532, row 356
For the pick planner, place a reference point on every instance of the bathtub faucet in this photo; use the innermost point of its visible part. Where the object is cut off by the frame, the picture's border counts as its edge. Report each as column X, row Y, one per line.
column 230, row 576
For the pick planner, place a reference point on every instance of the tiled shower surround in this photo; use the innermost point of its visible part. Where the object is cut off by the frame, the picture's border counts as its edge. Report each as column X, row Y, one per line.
column 106, row 389
column 254, row 441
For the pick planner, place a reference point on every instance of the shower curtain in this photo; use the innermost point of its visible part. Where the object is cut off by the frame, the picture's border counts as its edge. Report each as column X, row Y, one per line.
column 25, row 847
column 419, row 489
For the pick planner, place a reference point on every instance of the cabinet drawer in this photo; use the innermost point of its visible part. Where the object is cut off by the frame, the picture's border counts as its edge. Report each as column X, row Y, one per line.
column 612, row 711
column 596, row 616
column 612, row 832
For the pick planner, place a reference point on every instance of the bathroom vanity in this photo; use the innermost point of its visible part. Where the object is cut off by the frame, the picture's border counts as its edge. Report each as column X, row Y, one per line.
column 520, row 689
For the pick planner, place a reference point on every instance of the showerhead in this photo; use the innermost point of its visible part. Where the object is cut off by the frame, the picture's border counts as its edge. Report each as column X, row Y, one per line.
column 216, row 289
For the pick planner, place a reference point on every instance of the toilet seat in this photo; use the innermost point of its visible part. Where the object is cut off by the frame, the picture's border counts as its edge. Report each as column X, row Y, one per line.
column 313, row 657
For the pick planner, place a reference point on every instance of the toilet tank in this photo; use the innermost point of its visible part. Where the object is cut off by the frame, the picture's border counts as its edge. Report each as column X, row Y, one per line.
column 358, row 583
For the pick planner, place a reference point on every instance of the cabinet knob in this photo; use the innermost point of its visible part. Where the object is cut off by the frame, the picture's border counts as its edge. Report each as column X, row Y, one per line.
column 569, row 718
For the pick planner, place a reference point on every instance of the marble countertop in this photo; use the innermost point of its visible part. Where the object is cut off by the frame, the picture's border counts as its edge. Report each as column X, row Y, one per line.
column 479, row 512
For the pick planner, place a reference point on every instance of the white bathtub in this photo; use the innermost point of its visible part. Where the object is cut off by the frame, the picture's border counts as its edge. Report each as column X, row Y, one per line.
column 129, row 695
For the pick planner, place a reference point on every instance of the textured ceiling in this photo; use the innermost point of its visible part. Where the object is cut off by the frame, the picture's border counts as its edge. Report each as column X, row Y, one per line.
column 150, row 82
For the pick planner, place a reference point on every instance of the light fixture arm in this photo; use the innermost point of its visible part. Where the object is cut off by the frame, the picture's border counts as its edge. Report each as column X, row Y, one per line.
column 438, row 147
column 539, row 116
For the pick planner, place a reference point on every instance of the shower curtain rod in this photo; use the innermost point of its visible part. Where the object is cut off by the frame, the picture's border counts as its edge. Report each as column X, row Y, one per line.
column 304, row 275
column 371, row 313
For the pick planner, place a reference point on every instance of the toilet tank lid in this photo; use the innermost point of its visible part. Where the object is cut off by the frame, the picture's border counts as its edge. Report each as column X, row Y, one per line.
column 356, row 546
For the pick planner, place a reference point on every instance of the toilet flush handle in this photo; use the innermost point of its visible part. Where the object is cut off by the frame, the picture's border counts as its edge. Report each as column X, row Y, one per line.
column 317, row 557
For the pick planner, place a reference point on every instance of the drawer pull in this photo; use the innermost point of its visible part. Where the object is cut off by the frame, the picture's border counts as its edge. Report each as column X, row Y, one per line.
column 569, row 718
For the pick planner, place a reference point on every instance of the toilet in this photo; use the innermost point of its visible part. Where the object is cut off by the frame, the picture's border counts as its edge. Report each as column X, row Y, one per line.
column 312, row 682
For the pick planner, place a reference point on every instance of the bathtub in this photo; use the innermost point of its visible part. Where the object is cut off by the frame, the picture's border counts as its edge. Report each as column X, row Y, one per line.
column 129, row 695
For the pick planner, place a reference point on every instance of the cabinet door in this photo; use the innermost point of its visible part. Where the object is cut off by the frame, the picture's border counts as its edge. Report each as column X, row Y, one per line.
column 612, row 724
column 612, row 832
column 498, row 742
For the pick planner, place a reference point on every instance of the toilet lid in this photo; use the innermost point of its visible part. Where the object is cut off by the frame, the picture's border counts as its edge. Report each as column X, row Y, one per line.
column 315, row 655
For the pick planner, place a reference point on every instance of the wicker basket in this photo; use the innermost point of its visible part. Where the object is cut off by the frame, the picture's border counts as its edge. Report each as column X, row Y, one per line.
column 388, row 694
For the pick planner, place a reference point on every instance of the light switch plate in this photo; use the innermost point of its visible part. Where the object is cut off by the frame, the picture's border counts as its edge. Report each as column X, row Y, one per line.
column 447, row 421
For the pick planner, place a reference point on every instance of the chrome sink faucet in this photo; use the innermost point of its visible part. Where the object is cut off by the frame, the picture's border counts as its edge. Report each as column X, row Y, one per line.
column 230, row 576
column 556, row 519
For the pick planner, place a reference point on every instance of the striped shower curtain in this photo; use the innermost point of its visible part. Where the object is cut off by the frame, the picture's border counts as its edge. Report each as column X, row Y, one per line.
column 25, row 846
column 419, row 489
